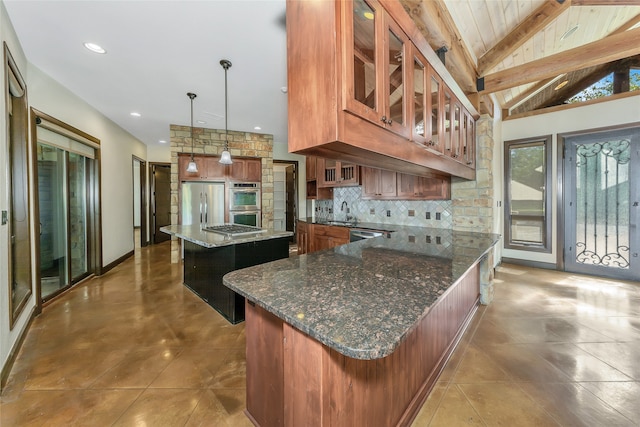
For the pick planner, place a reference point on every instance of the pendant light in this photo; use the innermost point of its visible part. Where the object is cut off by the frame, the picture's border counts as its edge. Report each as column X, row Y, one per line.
column 192, row 167
column 225, row 157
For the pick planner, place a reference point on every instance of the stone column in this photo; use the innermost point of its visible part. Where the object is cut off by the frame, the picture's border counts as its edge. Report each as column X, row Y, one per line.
column 473, row 201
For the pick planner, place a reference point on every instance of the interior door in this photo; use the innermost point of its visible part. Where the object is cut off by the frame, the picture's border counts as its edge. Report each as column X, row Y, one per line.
column 602, row 180
column 161, row 201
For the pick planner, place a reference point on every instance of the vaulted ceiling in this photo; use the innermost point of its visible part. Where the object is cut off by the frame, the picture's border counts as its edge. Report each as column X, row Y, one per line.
column 521, row 50
column 158, row 50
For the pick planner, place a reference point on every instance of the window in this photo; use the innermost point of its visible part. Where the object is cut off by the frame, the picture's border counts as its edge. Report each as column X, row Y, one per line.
column 528, row 199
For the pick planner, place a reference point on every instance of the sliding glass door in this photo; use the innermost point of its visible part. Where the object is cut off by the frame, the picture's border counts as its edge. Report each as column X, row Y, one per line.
column 52, row 198
column 63, row 183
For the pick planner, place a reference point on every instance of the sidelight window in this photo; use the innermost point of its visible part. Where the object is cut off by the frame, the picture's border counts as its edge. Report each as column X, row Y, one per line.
column 527, row 194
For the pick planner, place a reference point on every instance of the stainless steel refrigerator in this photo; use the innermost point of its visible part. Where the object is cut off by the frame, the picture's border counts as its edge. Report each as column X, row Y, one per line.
column 202, row 203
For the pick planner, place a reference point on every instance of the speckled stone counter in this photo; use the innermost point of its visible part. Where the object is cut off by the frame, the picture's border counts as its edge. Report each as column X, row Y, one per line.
column 363, row 298
column 208, row 239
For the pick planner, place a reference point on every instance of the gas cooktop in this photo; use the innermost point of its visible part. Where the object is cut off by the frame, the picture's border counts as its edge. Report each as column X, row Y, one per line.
column 234, row 229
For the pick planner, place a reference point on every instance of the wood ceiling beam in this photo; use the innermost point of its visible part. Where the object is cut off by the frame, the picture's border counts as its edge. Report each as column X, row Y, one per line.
column 611, row 48
column 436, row 25
column 528, row 28
column 605, row 2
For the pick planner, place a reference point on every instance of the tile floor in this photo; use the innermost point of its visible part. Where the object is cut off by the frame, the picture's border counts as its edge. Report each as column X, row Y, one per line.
column 136, row 348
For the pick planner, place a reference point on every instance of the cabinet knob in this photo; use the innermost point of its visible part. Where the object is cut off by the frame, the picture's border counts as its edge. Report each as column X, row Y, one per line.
column 469, row 163
column 383, row 119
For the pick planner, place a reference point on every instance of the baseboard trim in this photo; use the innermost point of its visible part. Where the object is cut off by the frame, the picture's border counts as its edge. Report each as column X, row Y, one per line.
column 13, row 354
column 528, row 263
column 105, row 269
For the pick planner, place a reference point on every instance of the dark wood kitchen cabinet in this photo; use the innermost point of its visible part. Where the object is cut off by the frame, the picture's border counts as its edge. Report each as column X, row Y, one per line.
column 327, row 237
column 357, row 91
column 411, row 187
column 378, row 183
column 204, row 269
column 314, row 191
column 333, row 173
column 302, row 237
column 210, row 169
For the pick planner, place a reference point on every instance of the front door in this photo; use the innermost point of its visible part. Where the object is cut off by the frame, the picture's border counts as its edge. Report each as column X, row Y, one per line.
column 602, row 197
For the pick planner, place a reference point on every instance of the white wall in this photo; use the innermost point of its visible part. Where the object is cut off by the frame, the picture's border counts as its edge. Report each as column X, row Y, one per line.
column 116, row 147
column 8, row 338
column 594, row 116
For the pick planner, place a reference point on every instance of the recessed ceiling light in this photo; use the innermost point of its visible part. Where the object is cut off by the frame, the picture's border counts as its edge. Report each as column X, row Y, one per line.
column 561, row 85
column 136, row 114
column 202, row 122
column 162, row 141
column 568, row 33
column 368, row 15
column 94, row 47
column 257, row 128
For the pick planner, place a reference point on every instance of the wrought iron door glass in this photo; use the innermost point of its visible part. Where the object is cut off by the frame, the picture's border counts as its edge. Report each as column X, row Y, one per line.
column 603, row 176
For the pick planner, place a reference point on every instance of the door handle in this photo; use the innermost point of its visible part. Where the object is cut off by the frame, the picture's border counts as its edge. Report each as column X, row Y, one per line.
column 206, row 209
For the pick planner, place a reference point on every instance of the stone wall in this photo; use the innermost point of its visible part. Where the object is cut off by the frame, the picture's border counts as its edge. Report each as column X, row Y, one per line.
column 473, row 201
column 211, row 141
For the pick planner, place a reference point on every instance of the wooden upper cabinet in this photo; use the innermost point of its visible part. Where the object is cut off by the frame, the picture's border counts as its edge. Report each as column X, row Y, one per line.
column 210, row 169
column 333, row 173
column 183, row 162
column 311, row 169
column 376, row 51
column 361, row 92
column 245, row 170
column 378, row 183
column 423, row 188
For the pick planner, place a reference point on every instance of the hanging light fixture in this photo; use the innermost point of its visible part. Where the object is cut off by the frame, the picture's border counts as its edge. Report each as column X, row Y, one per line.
column 225, row 157
column 192, row 167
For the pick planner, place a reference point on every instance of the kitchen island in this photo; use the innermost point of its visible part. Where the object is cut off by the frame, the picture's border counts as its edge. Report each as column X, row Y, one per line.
column 208, row 256
column 358, row 334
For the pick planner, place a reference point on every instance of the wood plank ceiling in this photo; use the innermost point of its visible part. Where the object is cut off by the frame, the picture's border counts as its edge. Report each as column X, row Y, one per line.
column 520, row 50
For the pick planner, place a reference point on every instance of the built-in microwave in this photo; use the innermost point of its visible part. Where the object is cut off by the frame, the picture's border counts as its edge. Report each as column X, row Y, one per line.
column 244, row 196
column 245, row 218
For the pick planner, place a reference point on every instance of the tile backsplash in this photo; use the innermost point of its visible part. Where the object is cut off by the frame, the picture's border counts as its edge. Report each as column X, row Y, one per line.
column 423, row 213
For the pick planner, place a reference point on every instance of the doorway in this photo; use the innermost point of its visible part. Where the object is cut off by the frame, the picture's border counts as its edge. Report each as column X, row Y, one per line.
column 285, row 207
column 140, row 239
column 160, row 201
column 601, row 212
column 68, row 205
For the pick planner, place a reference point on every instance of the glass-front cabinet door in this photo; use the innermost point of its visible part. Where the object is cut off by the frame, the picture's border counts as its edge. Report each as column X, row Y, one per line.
column 375, row 66
column 420, row 123
column 396, row 97
column 363, row 88
column 435, row 112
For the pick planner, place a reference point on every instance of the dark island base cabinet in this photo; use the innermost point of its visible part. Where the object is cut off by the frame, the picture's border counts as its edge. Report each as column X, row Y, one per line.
column 340, row 391
column 205, row 267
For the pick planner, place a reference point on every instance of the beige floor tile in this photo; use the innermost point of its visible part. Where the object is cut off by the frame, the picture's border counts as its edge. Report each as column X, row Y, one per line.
column 161, row 407
column 622, row 396
column 500, row 404
column 430, row 406
column 573, row 405
column 455, row 410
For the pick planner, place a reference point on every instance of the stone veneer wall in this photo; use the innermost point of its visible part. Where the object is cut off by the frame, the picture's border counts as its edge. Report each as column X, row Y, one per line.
column 211, row 141
column 473, row 201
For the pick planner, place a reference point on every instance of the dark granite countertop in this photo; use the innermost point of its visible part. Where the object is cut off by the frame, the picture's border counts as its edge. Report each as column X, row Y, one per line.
column 208, row 239
column 363, row 298
column 353, row 224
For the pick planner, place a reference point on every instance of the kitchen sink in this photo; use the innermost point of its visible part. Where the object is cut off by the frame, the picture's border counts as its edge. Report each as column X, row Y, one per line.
column 342, row 223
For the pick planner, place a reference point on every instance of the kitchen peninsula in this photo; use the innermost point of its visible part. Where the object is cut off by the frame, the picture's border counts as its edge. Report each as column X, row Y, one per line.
column 208, row 256
column 358, row 334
